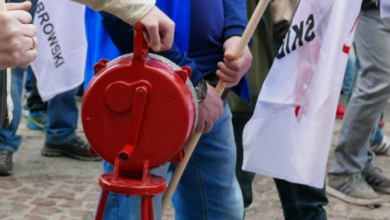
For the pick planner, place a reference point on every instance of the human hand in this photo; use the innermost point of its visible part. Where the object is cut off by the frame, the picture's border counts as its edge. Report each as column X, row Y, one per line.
column 209, row 110
column 160, row 30
column 17, row 36
column 232, row 69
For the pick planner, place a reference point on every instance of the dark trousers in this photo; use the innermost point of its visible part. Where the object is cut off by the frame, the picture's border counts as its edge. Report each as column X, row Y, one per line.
column 34, row 101
column 244, row 178
column 301, row 202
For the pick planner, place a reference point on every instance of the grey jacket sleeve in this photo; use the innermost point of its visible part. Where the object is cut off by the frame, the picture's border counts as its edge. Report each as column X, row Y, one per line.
column 130, row 11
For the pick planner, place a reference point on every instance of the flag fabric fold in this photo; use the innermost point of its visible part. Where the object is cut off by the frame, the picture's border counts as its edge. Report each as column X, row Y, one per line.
column 290, row 133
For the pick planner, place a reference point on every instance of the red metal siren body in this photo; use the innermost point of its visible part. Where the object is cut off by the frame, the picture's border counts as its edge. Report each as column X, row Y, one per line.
column 168, row 117
column 138, row 113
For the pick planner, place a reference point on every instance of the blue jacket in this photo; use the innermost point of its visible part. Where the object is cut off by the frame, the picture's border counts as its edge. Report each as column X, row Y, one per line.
column 201, row 29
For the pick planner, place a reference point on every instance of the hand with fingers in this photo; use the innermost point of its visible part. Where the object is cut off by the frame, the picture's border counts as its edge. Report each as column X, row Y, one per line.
column 160, row 30
column 233, row 68
column 17, row 36
column 210, row 109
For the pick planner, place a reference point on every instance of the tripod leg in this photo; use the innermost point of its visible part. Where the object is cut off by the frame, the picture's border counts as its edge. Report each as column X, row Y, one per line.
column 145, row 208
column 102, row 205
column 151, row 212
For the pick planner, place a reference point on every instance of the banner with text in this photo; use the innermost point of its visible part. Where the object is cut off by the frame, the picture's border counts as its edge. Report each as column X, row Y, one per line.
column 62, row 48
column 289, row 135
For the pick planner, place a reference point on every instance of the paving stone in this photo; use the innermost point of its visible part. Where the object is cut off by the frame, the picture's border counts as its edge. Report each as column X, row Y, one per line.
column 5, row 214
column 44, row 202
column 90, row 206
column 45, row 210
column 91, row 197
column 262, row 216
column 359, row 215
column 62, row 195
column 9, row 185
column 71, row 204
column 18, row 207
column 262, row 187
column 29, row 191
column 5, row 194
column 35, row 217
column 21, row 198
column 80, row 213
column 61, row 178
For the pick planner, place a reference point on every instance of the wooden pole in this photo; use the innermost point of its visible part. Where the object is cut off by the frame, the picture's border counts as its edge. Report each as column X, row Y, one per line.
column 250, row 29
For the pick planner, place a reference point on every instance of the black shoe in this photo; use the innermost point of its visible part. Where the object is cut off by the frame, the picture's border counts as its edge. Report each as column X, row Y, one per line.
column 75, row 148
column 5, row 162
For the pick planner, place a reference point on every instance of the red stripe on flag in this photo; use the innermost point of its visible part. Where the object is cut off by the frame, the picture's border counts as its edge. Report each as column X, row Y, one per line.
column 346, row 49
column 297, row 110
column 354, row 25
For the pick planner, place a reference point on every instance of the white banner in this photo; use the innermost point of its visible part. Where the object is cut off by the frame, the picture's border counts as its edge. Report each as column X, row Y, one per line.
column 62, row 48
column 289, row 135
column 385, row 8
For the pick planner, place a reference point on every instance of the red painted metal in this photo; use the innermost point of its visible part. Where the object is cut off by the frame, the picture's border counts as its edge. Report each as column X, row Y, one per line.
column 137, row 114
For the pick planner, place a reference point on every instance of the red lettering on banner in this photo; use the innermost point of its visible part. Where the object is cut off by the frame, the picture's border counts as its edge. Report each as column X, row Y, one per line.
column 346, row 48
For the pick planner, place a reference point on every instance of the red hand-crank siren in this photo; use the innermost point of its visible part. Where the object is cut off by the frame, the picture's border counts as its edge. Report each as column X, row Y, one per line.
column 138, row 113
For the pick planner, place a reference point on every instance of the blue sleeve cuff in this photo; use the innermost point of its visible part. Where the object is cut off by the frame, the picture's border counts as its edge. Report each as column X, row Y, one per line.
column 233, row 31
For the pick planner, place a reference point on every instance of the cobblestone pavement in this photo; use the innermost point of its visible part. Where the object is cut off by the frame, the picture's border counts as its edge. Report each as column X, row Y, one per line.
column 64, row 189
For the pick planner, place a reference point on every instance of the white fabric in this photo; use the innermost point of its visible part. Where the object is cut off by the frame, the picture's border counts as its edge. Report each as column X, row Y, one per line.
column 62, row 48
column 385, row 8
column 278, row 143
column 130, row 11
column 10, row 103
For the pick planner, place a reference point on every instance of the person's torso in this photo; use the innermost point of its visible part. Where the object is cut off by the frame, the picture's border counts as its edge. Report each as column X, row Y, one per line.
column 206, row 34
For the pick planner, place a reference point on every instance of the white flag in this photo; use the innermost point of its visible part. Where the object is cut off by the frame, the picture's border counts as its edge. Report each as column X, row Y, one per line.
column 62, row 48
column 385, row 8
column 290, row 133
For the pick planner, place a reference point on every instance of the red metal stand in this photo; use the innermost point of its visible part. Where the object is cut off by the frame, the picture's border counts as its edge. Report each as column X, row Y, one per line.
column 142, row 184
column 131, row 183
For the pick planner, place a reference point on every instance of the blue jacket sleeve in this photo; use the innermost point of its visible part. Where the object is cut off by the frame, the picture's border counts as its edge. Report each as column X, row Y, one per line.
column 235, row 24
column 180, row 58
column 122, row 35
column 235, row 18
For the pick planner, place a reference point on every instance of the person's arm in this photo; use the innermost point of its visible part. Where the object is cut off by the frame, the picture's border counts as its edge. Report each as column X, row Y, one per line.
column 130, row 11
column 233, row 68
column 160, row 28
column 235, row 18
column 17, row 36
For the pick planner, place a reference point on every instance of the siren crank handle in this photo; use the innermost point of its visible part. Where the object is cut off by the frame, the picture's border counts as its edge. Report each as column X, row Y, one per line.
column 249, row 30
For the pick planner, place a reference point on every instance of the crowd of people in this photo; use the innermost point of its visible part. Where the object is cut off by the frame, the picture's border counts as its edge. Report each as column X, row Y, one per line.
column 213, row 185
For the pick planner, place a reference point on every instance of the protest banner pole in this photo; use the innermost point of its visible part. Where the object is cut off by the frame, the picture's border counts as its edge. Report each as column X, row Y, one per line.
column 249, row 30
